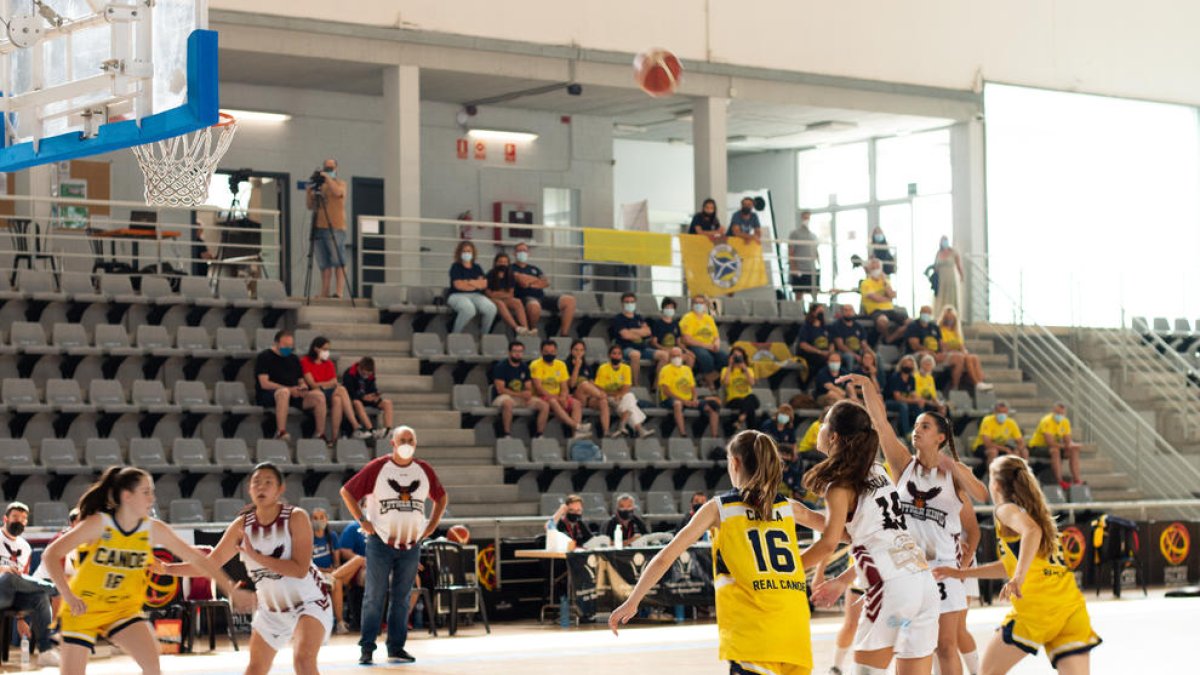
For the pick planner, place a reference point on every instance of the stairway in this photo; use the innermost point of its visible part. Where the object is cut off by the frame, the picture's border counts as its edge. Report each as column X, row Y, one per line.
column 473, row 481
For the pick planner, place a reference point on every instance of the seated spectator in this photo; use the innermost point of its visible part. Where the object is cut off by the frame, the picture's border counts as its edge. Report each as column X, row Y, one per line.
column 677, row 390
column 796, row 463
column 699, row 499
column 869, row 366
column 352, row 570
column 999, row 435
column 325, row 555
column 501, row 289
column 278, row 384
column 359, row 381
column 849, row 338
column 320, row 374
column 808, row 442
column 826, row 389
column 513, row 388
column 531, row 289
column 877, row 295
column 737, row 379
column 701, row 337
column 70, row 563
column 19, row 591
column 923, row 336
column 707, row 223
column 744, row 222
column 782, row 429
column 1053, row 437
column 900, row 397
column 632, row 525
column 550, row 377
column 568, row 519
column 813, row 343
column 465, row 294
column 664, row 334
column 579, row 381
column 631, row 331
column 616, row 380
column 952, row 343
column 926, row 389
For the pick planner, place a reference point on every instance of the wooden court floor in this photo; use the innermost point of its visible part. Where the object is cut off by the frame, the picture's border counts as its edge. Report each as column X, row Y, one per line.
column 1140, row 636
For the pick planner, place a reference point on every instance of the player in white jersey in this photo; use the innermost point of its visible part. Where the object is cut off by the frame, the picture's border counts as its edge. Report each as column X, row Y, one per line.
column 900, row 608
column 275, row 542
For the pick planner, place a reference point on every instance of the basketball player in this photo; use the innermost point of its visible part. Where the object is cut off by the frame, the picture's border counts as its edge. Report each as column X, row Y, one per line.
column 275, row 542
column 106, row 595
column 851, row 613
column 762, row 604
column 1048, row 609
column 900, row 608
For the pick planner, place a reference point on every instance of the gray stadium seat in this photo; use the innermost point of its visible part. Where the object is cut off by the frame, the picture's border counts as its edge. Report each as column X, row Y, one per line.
column 233, row 398
column 303, row 338
column 274, row 451
column 236, row 293
column 596, row 349
column 494, row 347
column 155, row 340
column 767, row 310
column 549, row 504
column 468, row 398
column 549, row 453
column 791, row 311
column 65, row 396
column 231, row 453
column 766, row 399
column 650, row 450
column 353, row 453
column 194, row 341
column 80, row 288
column 109, row 396
column 960, row 401
column 389, row 297
column 233, row 343
column 29, row 338
column 119, row 288
column 310, row 503
column 426, row 346
column 735, row 308
column 38, row 285
column 586, row 304
column 226, row 509
column 273, row 293
column 187, row 511
column 709, row 445
column 50, row 514
column 197, row 291
column 512, row 452
column 616, row 451
column 193, row 397
column 151, row 396
column 16, row 457
column 72, row 338
column 101, row 453
column 264, row 339
column 461, row 346
column 157, row 291
column 191, row 454
column 684, row 451
column 595, row 507
column 22, row 396
column 148, row 453
column 314, row 455
column 647, row 306
column 533, row 346
column 112, row 340
column 661, row 503
column 60, row 455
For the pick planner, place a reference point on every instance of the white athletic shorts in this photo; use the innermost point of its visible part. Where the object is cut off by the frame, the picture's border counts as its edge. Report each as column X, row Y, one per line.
column 278, row 628
column 951, row 592
column 971, row 584
column 900, row 613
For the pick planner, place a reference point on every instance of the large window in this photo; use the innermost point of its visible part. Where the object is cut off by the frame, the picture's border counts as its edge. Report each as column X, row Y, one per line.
column 838, row 174
column 1093, row 207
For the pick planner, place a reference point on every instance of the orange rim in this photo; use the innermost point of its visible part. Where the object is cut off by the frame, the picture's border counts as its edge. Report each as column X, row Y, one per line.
column 226, row 120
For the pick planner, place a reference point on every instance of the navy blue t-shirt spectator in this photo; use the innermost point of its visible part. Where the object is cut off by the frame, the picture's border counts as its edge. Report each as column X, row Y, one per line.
column 852, row 334
column 533, row 271
column 358, row 384
column 621, row 322
column 704, row 222
column 822, row 378
column 515, row 377
column 784, row 436
column 460, row 273
column 667, row 334
column 924, row 333
column 897, row 383
column 817, row 336
column 749, row 224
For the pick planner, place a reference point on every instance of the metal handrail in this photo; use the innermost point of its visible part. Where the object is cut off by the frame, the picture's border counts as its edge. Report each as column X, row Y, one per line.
column 1127, row 344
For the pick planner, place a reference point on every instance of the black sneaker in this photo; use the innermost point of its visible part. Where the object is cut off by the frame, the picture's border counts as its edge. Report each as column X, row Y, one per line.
column 364, row 658
column 401, row 657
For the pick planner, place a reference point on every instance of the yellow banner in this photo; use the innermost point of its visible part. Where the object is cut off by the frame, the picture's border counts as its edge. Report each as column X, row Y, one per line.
column 623, row 246
column 721, row 269
column 767, row 358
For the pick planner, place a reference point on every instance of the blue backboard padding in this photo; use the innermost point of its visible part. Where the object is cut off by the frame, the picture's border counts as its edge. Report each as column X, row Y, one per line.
column 202, row 109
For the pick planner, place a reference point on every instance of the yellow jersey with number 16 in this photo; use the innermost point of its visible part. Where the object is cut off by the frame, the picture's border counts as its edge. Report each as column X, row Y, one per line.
column 115, row 569
column 762, row 598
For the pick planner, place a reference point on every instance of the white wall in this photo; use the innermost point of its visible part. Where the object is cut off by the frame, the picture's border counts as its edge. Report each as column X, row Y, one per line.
column 1142, row 50
column 659, row 172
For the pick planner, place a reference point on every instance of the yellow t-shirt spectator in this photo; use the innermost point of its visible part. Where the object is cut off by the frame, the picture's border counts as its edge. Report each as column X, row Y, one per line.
column 679, row 380
column 951, row 338
column 924, row 387
column 702, row 328
column 809, row 442
column 612, row 380
column 869, row 285
column 553, row 376
column 1000, row 434
column 739, row 385
column 1049, row 428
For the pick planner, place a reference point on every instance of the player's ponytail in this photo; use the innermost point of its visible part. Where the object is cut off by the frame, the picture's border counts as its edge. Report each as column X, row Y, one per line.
column 1018, row 485
column 105, row 494
column 946, row 429
column 854, row 445
column 762, row 470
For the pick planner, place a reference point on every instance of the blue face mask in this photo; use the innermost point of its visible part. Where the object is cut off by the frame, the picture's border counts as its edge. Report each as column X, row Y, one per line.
column 1058, row 418
column 522, row 256
column 1001, row 417
column 783, row 419
column 835, row 366
column 286, row 351
column 630, row 307
column 332, row 173
column 467, row 256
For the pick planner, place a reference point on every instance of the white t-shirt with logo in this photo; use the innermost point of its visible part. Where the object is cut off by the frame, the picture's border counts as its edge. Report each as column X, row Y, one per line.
column 15, row 551
column 393, row 497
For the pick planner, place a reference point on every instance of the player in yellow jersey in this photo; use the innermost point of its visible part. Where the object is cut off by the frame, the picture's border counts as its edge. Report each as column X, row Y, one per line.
column 105, row 597
column 1048, row 609
column 762, row 600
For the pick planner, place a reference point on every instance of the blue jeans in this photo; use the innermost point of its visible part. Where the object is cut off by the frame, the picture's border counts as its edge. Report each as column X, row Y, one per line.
column 328, row 246
column 390, row 576
column 906, row 416
column 18, row 592
column 466, row 306
column 709, row 361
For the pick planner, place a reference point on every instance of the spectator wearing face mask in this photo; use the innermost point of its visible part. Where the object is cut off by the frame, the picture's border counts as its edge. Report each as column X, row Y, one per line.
column 632, row 525
column 826, row 390
column 880, row 249
column 849, row 338
column 631, row 331
column 744, row 222
column 326, row 556
column 1053, row 438
column 948, row 266
column 512, row 387
column 550, row 376
column 707, row 223
column 665, row 334
column 677, row 390
column 999, row 434
column 877, row 295
column 701, row 337
column 900, row 397
column 615, row 379
column 466, row 293
column 737, row 379
column 320, row 374
column 699, row 499
column 814, row 344
column 926, row 389
column 531, row 289
column 781, row 428
column 22, row 592
column 568, row 519
column 952, row 343
column 923, row 336
column 501, row 288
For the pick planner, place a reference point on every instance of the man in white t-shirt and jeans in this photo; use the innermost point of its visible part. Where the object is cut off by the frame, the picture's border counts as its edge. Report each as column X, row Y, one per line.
column 20, row 591
column 387, row 498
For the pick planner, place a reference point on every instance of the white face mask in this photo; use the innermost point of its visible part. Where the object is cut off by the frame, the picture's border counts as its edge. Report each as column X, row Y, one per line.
column 669, row 312
column 406, row 451
column 875, row 274
column 522, row 256
column 699, row 308
column 677, row 361
column 467, row 256
column 323, row 355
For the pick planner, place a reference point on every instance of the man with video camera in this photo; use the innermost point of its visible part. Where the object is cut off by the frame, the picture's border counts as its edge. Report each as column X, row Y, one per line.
column 329, row 243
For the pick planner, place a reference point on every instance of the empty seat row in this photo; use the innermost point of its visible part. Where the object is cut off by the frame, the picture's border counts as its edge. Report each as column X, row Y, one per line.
column 27, row 337
column 109, row 396
column 192, row 511
column 546, row 453
column 45, row 286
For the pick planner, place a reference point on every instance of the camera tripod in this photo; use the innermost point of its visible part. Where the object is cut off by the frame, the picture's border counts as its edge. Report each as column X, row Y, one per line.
column 321, row 207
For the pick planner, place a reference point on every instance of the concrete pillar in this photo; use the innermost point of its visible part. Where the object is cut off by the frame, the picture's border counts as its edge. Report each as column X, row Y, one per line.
column 401, row 146
column 967, row 160
column 709, row 123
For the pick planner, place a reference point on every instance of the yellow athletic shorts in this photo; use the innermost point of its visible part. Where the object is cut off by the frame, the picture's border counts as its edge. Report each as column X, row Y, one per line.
column 1061, row 633
column 767, row 668
column 83, row 630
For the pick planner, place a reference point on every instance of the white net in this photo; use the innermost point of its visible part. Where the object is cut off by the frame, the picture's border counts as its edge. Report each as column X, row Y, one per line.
column 178, row 170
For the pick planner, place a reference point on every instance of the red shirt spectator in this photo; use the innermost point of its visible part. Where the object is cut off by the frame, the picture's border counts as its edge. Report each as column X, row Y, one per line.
column 321, row 371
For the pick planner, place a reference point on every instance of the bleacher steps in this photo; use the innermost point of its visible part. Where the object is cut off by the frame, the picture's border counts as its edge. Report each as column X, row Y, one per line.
column 978, row 346
column 350, row 329
column 433, row 420
column 403, row 383
column 989, row 361
column 474, row 474
column 339, row 314
column 494, row 510
column 421, row 400
column 1115, row 494
column 375, row 348
column 466, row 455
column 477, row 494
column 384, row 365
column 1009, row 390
column 438, row 436
column 997, row 375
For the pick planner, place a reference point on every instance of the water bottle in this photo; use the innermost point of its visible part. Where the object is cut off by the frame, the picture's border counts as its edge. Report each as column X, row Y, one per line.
column 619, row 537
column 26, row 652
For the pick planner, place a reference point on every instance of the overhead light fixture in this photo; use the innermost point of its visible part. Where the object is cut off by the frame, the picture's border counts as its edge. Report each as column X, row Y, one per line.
column 745, row 139
column 831, row 125
column 622, row 128
column 256, row 115
column 502, row 135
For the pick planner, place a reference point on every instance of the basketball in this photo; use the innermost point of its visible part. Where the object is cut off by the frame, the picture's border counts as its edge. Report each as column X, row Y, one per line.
column 657, row 72
column 459, row 534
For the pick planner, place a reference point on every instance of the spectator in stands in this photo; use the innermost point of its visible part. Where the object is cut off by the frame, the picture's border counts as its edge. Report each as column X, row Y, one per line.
column 826, row 389
column 923, row 336
column 700, row 335
column 802, row 456
column 699, row 499
column 948, row 266
column 632, row 525
column 1053, row 437
column 512, row 388
column 320, row 374
column 568, row 519
column 69, row 563
column 325, row 555
column 803, row 262
column 744, row 222
column 531, row 289
column 900, row 396
column 999, row 435
column 877, row 295
column 664, row 334
column 869, row 366
column 352, row 572
column 465, row 295
column 359, row 381
column 737, row 379
column 501, row 288
column 278, row 384
column 808, row 442
column 616, row 380
column 677, row 390
column 330, row 244
column 849, row 338
column 21, row 592
column 782, row 429
column 813, row 344
column 879, row 249
column 393, row 492
column 952, row 343
column 579, row 381
column 550, row 377
column 707, row 223
column 926, row 389
column 631, row 331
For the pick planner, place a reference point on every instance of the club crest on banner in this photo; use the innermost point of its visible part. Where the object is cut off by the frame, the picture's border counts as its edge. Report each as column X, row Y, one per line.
column 724, row 266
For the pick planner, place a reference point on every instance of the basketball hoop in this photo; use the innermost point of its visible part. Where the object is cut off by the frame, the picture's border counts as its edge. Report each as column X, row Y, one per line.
column 178, row 170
